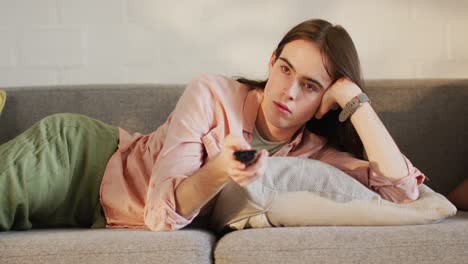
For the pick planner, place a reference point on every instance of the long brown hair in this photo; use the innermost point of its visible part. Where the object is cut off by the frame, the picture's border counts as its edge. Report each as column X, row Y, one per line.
column 341, row 59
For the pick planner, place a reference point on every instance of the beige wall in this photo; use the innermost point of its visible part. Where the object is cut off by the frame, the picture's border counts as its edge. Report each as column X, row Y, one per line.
column 118, row 41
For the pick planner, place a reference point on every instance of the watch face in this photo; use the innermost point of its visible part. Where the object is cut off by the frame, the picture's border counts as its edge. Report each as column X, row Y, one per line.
column 363, row 98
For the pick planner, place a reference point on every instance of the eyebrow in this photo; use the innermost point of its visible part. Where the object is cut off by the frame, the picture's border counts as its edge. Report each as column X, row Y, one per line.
column 305, row 77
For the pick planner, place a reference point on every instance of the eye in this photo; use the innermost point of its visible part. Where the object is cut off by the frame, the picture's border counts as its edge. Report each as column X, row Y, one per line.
column 284, row 69
column 310, row 87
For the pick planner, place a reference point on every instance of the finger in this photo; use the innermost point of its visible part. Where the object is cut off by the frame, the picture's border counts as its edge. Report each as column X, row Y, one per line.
column 256, row 170
column 239, row 165
column 239, row 174
column 250, row 172
column 243, row 181
column 323, row 108
column 247, row 180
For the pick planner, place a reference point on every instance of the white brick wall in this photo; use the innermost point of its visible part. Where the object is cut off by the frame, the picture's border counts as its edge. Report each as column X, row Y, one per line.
column 28, row 12
column 8, row 51
column 51, row 46
column 119, row 41
column 95, row 12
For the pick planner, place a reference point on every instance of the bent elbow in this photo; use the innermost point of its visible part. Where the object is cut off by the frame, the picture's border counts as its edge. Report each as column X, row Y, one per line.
column 398, row 195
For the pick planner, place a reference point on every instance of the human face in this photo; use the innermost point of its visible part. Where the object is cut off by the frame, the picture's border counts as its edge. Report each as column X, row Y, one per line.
column 296, row 83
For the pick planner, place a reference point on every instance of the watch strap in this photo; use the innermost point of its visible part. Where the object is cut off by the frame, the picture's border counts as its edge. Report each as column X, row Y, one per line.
column 352, row 106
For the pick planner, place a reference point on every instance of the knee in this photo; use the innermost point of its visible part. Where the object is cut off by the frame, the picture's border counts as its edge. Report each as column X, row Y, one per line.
column 61, row 119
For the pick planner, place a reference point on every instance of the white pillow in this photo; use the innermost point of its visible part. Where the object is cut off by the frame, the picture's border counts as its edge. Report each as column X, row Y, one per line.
column 305, row 192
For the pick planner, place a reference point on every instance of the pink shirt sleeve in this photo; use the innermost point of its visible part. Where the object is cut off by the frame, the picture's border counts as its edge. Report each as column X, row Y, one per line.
column 403, row 190
column 181, row 155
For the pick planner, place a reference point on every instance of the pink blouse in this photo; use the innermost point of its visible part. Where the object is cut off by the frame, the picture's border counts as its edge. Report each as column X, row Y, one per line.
column 140, row 179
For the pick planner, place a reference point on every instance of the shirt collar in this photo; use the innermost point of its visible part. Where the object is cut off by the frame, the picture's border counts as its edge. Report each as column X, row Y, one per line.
column 297, row 137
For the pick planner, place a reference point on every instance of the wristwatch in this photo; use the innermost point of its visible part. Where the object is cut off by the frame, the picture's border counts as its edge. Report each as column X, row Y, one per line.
column 352, row 106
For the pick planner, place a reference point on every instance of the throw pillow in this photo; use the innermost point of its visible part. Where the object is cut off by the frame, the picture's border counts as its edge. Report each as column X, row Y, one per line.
column 305, row 192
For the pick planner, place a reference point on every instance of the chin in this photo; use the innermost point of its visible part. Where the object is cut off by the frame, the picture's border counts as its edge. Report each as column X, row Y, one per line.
column 279, row 122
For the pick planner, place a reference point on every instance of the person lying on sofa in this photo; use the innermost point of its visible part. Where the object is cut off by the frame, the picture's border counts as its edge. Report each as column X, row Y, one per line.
column 72, row 170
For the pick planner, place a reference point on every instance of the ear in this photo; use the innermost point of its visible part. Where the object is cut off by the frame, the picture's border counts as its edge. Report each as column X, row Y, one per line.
column 272, row 60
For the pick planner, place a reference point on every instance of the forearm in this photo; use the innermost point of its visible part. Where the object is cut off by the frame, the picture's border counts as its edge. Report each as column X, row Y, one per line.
column 197, row 190
column 382, row 151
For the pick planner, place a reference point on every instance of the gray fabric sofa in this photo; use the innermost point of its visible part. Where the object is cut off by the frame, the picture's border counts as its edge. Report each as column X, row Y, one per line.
column 427, row 118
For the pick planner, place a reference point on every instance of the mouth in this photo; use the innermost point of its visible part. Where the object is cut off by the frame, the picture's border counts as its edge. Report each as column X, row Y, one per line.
column 282, row 107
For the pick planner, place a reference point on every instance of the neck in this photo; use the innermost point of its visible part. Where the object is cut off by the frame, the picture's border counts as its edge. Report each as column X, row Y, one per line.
column 270, row 132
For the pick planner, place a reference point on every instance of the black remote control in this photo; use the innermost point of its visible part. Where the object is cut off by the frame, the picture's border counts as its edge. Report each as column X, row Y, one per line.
column 245, row 156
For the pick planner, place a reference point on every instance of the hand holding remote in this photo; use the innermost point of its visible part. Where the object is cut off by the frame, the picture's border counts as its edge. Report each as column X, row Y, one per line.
column 246, row 156
column 237, row 162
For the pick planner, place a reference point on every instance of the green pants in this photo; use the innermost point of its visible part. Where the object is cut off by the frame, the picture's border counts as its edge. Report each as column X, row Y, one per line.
column 50, row 174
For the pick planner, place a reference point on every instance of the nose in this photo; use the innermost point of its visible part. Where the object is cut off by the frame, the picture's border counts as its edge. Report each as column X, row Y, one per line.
column 291, row 90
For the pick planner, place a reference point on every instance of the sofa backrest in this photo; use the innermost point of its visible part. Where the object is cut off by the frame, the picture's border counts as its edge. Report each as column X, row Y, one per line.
column 427, row 118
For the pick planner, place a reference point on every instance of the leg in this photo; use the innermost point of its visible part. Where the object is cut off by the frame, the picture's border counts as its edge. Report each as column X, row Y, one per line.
column 50, row 175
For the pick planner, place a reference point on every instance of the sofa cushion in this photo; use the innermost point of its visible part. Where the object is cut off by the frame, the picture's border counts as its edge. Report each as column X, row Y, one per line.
column 305, row 192
column 444, row 242
column 136, row 108
column 106, row 246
